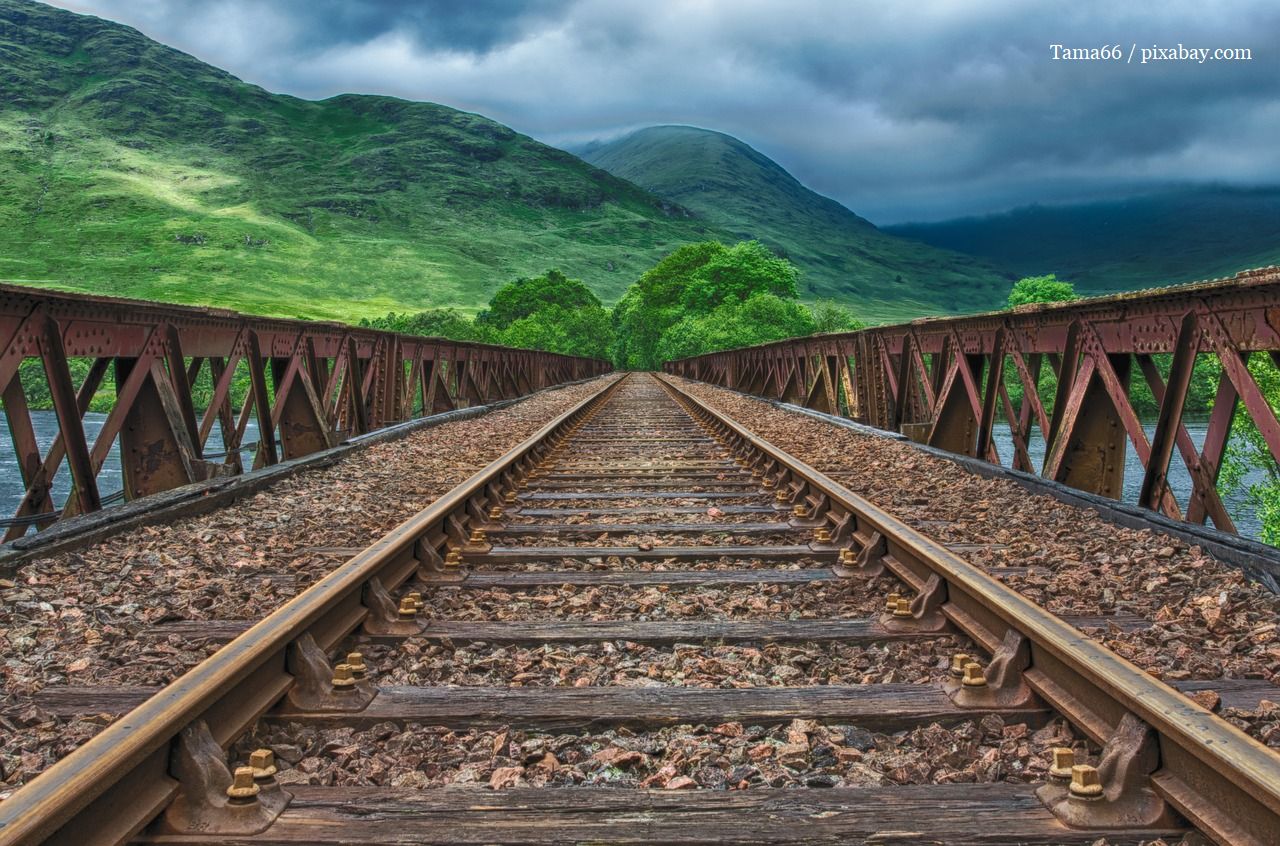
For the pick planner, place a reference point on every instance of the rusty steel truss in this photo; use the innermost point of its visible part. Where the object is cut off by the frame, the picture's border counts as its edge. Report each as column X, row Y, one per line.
column 310, row 386
column 942, row 381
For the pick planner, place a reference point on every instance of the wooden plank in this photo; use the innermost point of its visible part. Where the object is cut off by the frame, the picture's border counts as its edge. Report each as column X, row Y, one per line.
column 633, row 528
column 523, row 554
column 69, row 701
column 875, row 707
column 614, row 512
column 748, row 484
column 955, row 814
column 710, row 578
column 638, row 494
column 655, row 632
column 661, row 475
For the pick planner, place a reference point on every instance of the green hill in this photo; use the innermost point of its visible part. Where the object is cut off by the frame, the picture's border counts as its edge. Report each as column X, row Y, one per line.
column 841, row 255
column 1153, row 239
column 129, row 168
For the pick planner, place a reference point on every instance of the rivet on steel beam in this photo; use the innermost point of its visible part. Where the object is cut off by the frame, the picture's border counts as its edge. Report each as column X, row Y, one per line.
column 243, row 790
column 891, row 602
column 343, row 679
column 973, row 675
column 1085, row 782
column 408, row 610
column 263, row 764
column 903, row 608
column 1064, row 758
column 355, row 661
column 957, row 664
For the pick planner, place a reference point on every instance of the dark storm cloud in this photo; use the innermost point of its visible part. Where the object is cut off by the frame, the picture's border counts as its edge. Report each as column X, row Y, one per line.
column 918, row 110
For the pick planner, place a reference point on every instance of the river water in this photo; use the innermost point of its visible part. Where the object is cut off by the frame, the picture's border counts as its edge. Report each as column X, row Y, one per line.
column 109, row 480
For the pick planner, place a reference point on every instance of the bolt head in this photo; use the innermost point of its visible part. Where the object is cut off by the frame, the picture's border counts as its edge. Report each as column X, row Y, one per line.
column 847, row 556
column 973, row 675
column 903, row 608
column 343, row 678
column 800, row 510
column 891, row 602
column 263, row 764
column 243, row 789
column 355, row 661
column 822, row 533
column 957, row 664
column 1085, row 782
column 1064, row 758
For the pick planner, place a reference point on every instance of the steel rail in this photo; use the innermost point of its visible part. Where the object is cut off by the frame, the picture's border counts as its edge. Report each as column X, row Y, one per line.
column 108, row 789
column 1224, row 781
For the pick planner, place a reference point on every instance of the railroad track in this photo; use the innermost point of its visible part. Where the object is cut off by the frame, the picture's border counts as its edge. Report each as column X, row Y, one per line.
column 641, row 523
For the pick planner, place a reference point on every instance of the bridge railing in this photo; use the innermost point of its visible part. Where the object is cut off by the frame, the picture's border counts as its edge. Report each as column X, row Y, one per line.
column 306, row 385
column 946, row 382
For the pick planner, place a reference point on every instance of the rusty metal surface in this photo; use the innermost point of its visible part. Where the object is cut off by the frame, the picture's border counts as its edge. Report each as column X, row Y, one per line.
column 942, row 381
column 312, row 384
column 1226, row 782
column 105, row 791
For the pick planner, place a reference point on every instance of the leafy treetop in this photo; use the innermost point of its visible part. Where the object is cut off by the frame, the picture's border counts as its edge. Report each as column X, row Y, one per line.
column 1041, row 289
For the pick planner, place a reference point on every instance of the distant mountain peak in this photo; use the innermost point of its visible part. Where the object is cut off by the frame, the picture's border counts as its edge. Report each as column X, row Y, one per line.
column 736, row 187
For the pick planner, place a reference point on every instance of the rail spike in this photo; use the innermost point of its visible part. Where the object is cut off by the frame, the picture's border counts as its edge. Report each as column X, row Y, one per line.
column 319, row 687
column 1002, row 684
column 1118, row 792
column 869, row 563
column 385, row 617
column 925, row 610
column 433, row 568
column 203, row 805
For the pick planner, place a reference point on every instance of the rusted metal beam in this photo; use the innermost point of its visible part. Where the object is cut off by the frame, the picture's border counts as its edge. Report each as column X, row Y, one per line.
column 309, row 385
column 1091, row 346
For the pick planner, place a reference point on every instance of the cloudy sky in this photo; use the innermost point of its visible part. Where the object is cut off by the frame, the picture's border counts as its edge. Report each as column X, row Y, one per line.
column 902, row 111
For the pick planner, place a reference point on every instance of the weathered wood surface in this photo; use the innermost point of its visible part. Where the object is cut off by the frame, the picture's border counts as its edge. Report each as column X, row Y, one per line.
column 664, row 475
column 928, row 815
column 72, row 701
column 635, row 512
column 658, row 483
column 524, row 554
column 710, row 578
column 778, row 527
column 639, row 494
column 656, row 632
column 876, row 707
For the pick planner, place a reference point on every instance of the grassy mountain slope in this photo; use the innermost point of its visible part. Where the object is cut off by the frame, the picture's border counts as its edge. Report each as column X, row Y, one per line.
column 841, row 255
column 130, row 168
column 1154, row 239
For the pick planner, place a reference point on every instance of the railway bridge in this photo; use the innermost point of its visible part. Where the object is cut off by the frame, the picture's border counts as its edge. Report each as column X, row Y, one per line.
column 275, row 581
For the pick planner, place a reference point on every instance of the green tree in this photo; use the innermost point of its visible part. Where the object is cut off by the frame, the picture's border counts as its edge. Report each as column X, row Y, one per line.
column 433, row 323
column 526, row 297
column 692, row 282
column 1248, row 466
column 761, row 318
column 584, row 331
column 830, row 316
column 1041, row 289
